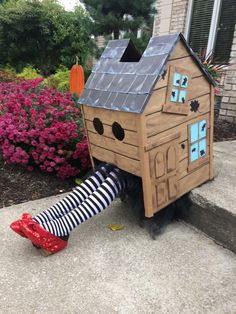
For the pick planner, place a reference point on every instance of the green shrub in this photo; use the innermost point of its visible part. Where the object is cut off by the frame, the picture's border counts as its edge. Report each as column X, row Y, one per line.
column 87, row 72
column 29, row 73
column 59, row 80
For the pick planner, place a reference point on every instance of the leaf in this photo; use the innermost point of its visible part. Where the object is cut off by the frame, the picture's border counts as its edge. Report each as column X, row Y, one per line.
column 116, row 227
column 78, row 181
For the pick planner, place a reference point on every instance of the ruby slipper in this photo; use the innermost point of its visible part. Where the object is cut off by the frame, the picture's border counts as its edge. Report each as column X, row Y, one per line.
column 50, row 243
column 16, row 226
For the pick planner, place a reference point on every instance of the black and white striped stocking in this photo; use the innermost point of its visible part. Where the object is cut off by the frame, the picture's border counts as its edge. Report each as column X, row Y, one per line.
column 94, row 203
column 75, row 198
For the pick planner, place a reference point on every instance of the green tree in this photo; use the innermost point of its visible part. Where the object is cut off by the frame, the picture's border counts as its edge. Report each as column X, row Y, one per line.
column 42, row 34
column 113, row 16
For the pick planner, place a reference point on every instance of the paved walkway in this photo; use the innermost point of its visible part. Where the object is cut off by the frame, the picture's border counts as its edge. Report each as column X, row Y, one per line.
column 123, row 272
column 214, row 210
column 222, row 190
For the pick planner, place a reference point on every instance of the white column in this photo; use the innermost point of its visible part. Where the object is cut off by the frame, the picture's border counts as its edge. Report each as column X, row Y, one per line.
column 214, row 26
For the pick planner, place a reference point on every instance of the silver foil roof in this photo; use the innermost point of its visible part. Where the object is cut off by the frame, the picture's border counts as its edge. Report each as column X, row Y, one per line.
column 126, row 86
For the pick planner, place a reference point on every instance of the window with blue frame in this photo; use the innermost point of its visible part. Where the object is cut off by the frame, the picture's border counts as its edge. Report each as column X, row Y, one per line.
column 198, row 141
column 180, row 84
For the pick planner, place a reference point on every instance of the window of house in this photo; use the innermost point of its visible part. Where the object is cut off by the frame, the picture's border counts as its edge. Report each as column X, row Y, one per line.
column 200, row 25
column 198, row 140
column 225, row 31
column 177, row 92
column 210, row 27
column 180, row 83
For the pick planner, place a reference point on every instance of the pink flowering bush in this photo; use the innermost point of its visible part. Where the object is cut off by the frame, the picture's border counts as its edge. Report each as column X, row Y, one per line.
column 41, row 128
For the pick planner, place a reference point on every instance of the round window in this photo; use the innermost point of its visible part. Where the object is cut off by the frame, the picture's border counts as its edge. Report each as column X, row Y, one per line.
column 98, row 126
column 118, row 131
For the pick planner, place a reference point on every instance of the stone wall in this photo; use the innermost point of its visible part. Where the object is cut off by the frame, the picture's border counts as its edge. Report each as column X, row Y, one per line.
column 170, row 17
column 228, row 104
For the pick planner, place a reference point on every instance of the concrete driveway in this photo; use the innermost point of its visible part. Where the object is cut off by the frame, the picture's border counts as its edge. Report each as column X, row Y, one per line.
column 125, row 271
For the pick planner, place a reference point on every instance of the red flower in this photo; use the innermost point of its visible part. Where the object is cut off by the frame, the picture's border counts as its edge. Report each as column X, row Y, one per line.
column 38, row 125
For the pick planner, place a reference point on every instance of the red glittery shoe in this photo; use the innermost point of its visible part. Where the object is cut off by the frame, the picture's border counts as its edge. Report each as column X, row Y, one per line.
column 49, row 243
column 16, row 226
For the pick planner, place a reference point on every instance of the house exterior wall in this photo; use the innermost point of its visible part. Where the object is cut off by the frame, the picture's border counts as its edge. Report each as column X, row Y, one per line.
column 228, row 105
column 171, row 18
column 100, row 40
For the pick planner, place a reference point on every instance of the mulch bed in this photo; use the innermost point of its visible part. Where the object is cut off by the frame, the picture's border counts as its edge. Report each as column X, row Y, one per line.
column 18, row 186
column 224, row 131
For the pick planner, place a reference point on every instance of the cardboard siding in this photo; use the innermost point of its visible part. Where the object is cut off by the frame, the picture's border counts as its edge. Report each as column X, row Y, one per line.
column 166, row 132
column 156, row 143
column 106, row 148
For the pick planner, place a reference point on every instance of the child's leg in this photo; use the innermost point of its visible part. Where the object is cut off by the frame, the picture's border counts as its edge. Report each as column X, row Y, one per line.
column 94, row 204
column 75, row 198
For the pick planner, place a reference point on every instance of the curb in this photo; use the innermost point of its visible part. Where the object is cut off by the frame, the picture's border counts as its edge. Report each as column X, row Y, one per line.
column 216, row 222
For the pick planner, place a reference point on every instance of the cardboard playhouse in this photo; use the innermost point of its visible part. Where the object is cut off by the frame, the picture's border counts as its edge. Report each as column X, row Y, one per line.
column 152, row 116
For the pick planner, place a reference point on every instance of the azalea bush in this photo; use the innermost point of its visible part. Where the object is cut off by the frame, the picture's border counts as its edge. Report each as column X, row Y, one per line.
column 42, row 128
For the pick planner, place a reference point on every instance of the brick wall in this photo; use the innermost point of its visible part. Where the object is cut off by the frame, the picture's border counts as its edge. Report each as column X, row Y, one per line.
column 170, row 17
column 100, row 40
column 228, row 104
column 179, row 11
column 163, row 17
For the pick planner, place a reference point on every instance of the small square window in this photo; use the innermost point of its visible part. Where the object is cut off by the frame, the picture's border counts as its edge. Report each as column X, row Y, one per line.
column 177, row 96
column 194, row 152
column 202, row 129
column 202, row 148
column 174, row 95
column 176, row 80
column 194, row 132
column 198, row 142
column 184, row 81
column 182, row 96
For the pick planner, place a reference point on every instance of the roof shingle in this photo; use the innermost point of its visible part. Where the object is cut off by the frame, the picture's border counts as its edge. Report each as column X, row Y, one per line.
column 127, row 86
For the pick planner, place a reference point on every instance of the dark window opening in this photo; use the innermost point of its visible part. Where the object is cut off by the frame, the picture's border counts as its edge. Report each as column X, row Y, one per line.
column 200, row 25
column 131, row 54
column 118, row 131
column 200, row 28
column 98, row 126
column 225, row 32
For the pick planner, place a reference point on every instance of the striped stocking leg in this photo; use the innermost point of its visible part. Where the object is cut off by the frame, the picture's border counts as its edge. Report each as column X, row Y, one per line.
column 94, row 204
column 75, row 198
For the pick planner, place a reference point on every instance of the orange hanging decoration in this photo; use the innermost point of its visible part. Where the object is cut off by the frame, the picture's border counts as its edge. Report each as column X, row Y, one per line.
column 76, row 79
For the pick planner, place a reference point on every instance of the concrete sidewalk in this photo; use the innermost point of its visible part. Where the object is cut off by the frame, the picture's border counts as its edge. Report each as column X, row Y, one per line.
column 115, row 272
column 214, row 203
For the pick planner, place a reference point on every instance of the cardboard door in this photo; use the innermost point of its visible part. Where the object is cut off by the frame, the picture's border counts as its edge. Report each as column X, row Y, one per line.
column 164, row 164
